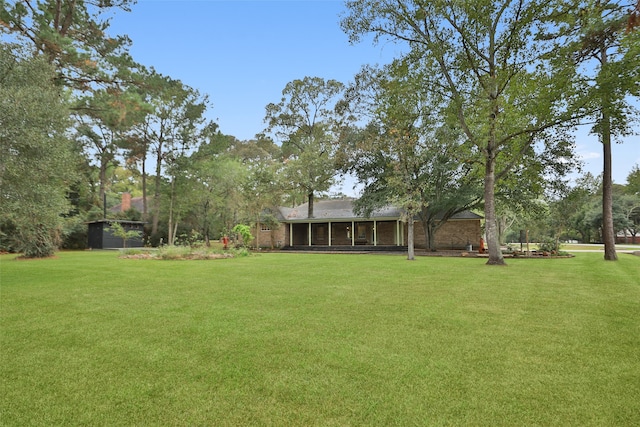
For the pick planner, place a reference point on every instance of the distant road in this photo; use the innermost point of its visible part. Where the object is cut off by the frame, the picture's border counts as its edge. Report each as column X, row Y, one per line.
column 597, row 247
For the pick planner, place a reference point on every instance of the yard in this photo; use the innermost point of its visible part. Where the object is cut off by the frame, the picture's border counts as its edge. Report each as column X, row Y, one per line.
column 313, row 339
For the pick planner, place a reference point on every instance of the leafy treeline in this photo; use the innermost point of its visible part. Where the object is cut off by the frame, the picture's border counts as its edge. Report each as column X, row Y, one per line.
column 577, row 215
column 513, row 76
column 477, row 114
column 98, row 124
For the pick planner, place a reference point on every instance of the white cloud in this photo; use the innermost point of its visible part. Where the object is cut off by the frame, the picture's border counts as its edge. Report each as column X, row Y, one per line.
column 589, row 155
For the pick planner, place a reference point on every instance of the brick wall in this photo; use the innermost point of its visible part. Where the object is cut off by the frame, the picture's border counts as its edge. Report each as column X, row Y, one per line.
column 454, row 234
column 276, row 238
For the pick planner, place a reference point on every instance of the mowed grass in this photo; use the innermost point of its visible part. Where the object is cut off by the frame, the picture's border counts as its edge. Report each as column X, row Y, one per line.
column 314, row 340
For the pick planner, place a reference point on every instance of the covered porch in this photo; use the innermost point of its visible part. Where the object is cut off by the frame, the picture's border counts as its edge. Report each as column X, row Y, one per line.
column 341, row 233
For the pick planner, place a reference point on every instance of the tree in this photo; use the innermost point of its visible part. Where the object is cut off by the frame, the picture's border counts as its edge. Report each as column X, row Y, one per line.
column 405, row 156
column 634, row 17
column 303, row 120
column 216, row 182
column 482, row 56
column 596, row 38
column 72, row 36
column 631, row 200
column 629, row 206
column 262, row 192
column 175, row 123
column 35, row 155
column 245, row 233
column 584, row 198
column 118, row 231
column 102, row 121
column 633, row 181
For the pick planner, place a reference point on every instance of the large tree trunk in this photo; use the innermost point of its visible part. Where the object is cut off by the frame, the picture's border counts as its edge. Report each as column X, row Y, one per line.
column 258, row 226
column 429, row 235
column 171, row 237
column 145, row 209
column 491, row 227
column 104, row 164
column 410, row 240
column 156, row 195
column 608, row 233
column 205, row 225
column 310, row 210
column 491, row 223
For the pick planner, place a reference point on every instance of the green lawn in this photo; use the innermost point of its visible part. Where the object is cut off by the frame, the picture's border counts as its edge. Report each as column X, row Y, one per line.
column 310, row 339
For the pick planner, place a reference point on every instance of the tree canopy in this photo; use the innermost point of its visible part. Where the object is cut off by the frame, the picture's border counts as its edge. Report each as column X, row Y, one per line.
column 304, row 120
column 35, row 155
column 477, row 113
column 72, row 36
column 482, row 56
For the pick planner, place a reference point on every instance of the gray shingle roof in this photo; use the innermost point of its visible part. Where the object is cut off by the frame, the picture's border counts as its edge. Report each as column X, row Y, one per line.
column 342, row 209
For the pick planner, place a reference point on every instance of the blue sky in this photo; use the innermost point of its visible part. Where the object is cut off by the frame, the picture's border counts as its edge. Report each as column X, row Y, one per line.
column 242, row 53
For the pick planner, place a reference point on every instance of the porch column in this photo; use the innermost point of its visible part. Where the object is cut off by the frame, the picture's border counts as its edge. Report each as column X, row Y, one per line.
column 290, row 234
column 375, row 233
column 329, row 233
column 397, row 236
column 309, row 234
column 353, row 233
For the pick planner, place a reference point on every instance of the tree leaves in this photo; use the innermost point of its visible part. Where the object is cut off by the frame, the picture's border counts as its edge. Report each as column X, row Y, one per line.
column 35, row 156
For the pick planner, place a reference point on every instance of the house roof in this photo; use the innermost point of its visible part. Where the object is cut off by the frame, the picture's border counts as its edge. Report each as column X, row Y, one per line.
column 136, row 203
column 333, row 209
column 342, row 209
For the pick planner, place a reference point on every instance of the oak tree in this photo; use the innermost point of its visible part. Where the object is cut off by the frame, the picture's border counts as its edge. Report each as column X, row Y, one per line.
column 304, row 121
column 484, row 57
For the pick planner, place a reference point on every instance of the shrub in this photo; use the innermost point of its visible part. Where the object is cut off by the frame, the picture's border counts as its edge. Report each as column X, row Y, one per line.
column 130, row 252
column 193, row 239
column 241, row 252
column 549, row 244
column 245, row 232
column 119, row 231
column 74, row 233
column 37, row 241
column 173, row 252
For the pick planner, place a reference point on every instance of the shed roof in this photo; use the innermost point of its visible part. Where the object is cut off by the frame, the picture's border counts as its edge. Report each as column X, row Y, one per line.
column 119, row 221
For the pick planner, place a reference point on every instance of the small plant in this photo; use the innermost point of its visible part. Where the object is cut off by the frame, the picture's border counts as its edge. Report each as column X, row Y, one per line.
column 131, row 252
column 549, row 244
column 241, row 252
column 193, row 239
column 245, row 232
column 173, row 252
column 119, row 231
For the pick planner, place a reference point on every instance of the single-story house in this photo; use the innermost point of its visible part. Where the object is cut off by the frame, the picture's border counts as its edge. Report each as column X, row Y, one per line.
column 335, row 225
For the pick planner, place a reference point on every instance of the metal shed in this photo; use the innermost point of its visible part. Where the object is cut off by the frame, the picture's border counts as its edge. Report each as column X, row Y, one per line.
column 100, row 236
